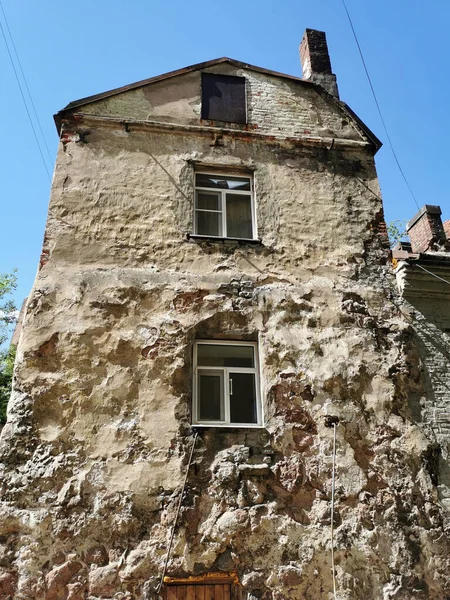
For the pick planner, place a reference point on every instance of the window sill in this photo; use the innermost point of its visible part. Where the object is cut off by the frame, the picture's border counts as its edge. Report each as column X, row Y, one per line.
column 212, row 238
column 227, row 426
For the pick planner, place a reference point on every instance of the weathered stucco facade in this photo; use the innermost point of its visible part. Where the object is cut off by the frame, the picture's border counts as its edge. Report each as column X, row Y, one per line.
column 99, row 433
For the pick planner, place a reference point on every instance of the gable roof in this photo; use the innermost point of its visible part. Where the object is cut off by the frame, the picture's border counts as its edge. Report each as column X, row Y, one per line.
column 204, row 65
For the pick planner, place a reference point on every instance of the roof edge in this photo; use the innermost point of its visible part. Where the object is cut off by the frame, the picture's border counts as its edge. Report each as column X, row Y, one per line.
column 204, row 65
column 372, row 137
column 142, row 82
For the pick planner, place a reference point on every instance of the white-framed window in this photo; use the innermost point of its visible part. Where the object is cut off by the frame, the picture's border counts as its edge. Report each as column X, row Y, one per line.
column 226, row 390
column 224, row 206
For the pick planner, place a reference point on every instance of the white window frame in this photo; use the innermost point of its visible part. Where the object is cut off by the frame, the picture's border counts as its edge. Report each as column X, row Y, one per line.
column 222, row 202
column 226, row 386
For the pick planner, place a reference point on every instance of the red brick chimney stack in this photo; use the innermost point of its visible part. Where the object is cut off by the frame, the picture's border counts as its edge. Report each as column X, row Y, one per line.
column 446, row 225
column 315, row 60
column 426, row 231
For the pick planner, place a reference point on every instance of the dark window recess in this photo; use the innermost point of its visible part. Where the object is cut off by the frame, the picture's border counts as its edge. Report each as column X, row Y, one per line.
column 223, row 98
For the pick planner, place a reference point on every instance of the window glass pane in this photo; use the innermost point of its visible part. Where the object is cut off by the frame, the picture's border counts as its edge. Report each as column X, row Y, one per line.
column 243, row 398
column 210, row 390
column 218, row 355
column 208, row 223
column 223, row 182
column 239, row 216
column 208, row 201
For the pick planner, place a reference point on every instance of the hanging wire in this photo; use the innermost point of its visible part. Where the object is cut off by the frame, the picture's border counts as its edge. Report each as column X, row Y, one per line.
column 379, row 108
column 24, row 101
column 430, row 273
column 166, row 562
column 25, row 81
column 332, row 511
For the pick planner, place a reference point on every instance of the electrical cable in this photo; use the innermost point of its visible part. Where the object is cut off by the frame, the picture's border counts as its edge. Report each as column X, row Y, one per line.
column 430, row 273
column 24, row 101
column 378, row 107
column 368, row 188
column 166, row 562
column 332, row 511
column 25, row 81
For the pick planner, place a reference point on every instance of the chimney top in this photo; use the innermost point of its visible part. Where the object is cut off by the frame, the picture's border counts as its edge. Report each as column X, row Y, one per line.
column 315, row 61
column 426, row 231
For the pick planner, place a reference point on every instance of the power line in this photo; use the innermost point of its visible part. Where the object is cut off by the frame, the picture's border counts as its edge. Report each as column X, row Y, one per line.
column 25, row 81
column 430, row 273
column 24, row 101
column 378, row 107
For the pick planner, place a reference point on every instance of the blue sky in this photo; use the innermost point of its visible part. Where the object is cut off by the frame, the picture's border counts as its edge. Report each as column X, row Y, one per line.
column 72, row 50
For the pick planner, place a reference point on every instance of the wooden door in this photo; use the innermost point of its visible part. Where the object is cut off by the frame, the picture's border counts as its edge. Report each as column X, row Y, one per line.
column 218, row 591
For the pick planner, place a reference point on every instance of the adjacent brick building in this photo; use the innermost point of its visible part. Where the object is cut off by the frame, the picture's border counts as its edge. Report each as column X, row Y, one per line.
column 422, row 268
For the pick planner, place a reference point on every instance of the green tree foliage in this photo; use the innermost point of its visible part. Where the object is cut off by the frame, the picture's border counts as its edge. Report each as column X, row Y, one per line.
column 6, row 374
column 396, row 231
column 8, row 283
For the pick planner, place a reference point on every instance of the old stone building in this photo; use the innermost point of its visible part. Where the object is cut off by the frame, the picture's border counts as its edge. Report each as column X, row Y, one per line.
column 217, row 394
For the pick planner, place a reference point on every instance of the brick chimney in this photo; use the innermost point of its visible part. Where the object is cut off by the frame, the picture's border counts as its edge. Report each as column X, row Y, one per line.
column 447, row 229
column 426, row 231
column 315, row 60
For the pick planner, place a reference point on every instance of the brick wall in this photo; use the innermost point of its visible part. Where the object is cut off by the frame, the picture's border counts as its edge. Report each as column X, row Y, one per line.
column 431, row 322
column 425, row 229
column 314, row 51
column 276, row 106
column 446, row 225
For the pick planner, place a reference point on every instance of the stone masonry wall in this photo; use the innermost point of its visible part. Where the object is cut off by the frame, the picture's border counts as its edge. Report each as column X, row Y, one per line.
column 276, row 107
column 98, row 435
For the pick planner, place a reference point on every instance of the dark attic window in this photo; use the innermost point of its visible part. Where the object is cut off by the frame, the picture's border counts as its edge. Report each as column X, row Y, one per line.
column 223, row 98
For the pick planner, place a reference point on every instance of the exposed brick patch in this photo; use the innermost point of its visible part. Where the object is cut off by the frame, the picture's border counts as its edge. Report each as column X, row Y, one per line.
column 185, row 301
column 8, row 584
column 290, row 473
column 378, row 225
column 286, row 397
